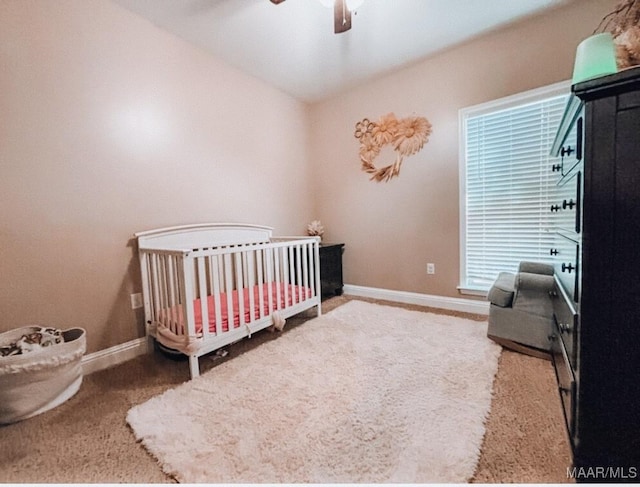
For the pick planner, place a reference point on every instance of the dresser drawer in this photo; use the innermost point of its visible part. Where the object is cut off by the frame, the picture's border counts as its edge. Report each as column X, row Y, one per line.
column 571, row 152
column 566, row 207
column 566, row 382
column 566, row 322
column 566, row 265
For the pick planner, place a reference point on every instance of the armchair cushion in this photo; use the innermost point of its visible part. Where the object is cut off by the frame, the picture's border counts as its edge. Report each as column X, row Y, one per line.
column 536, row 268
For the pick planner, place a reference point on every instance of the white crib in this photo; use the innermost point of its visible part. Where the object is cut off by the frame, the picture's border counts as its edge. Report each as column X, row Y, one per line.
column 208, row 285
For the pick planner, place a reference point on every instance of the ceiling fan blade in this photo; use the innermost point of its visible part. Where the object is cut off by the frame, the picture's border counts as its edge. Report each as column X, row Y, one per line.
column 276, row 2
column 341, row 17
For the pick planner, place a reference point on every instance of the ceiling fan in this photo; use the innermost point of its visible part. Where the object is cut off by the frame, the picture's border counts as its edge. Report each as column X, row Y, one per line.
column 341, row 12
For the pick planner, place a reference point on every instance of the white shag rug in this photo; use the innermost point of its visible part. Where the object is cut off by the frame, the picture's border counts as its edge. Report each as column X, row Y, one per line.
column 364, row 394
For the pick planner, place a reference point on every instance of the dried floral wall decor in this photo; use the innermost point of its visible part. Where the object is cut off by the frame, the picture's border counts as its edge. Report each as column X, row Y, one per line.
column 624, row 25
column 407, row 136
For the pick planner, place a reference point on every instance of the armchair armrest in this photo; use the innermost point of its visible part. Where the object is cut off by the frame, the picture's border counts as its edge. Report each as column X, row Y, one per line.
column 532, row 293
column 501, row 293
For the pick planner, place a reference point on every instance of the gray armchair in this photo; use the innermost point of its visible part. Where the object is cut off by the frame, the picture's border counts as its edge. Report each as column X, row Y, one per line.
column 521, row 311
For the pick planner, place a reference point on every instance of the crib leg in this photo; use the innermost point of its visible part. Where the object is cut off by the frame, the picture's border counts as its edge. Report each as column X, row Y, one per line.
column 150, row 344
column 319, row 310
column 194, row 366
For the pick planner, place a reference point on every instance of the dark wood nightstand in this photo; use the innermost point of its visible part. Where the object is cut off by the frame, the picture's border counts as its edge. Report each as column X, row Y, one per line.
column 331, row 268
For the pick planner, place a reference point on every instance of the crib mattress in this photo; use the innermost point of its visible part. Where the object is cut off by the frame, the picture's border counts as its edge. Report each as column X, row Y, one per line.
column 173, row 318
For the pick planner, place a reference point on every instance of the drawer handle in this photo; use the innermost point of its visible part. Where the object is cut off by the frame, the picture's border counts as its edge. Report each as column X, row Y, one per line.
column 566, row 151
column 556, row 168
column 565, row 327
column 553, row 252
column 567, row 268
column 555, row 208
column 568, row 204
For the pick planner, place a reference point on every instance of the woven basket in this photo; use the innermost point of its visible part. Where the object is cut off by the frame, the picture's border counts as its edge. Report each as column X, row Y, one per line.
column 34, row 382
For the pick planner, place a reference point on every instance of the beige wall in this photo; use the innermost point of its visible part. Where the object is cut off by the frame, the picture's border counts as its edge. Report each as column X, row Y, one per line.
column 391, row 230
column 109, row 126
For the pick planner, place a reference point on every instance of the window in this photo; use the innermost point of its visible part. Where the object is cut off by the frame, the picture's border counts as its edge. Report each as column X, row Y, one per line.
column 505, row 181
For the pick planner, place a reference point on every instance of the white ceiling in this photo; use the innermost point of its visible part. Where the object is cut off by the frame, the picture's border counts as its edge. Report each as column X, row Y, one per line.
column 292, row 45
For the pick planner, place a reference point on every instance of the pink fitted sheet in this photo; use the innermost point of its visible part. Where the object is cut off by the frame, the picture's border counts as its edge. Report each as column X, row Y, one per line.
column 173, row 316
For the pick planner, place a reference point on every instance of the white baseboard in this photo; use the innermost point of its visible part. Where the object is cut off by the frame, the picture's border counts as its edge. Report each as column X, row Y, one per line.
column 115, row 355
column 442, row 302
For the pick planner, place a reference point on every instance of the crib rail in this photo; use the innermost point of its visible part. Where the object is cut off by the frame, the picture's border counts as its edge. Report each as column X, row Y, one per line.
column 212, row 291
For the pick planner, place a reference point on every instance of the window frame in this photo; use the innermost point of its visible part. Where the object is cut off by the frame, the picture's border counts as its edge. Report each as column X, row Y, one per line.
column 512, row 101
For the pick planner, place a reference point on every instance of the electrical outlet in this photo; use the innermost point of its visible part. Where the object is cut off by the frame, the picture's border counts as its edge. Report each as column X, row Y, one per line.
column 431, row 268
column 136, row 301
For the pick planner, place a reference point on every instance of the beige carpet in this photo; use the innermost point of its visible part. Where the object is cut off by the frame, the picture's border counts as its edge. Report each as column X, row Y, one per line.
column 366, row 393
column 87, row 439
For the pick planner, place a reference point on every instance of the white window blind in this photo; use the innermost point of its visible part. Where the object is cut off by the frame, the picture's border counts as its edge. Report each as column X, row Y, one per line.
column 506, row 185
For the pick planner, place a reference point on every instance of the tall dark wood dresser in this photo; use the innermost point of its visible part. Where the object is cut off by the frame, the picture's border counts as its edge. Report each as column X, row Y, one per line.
column 596, row 340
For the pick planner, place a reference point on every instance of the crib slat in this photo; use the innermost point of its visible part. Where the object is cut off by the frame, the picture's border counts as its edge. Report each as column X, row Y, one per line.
column 202, row 294
column 316, row 258
column 292, row 272
column 239, row 288
column 175, row 297
column 174, row 290
column 260, row 283
column 285, row 275
column 155, row 294
column 215, row 274
column 276, row 271
column 166, row 276
column 305, row 272
column 228, row 283
column 312, row 284
column 250, row 267
column 186, row 293
column 298, row 272
column 168, row 289
column 144, row 267
column 162, row 303
column 309, row 260
column 268, row 279
column 312, row 266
